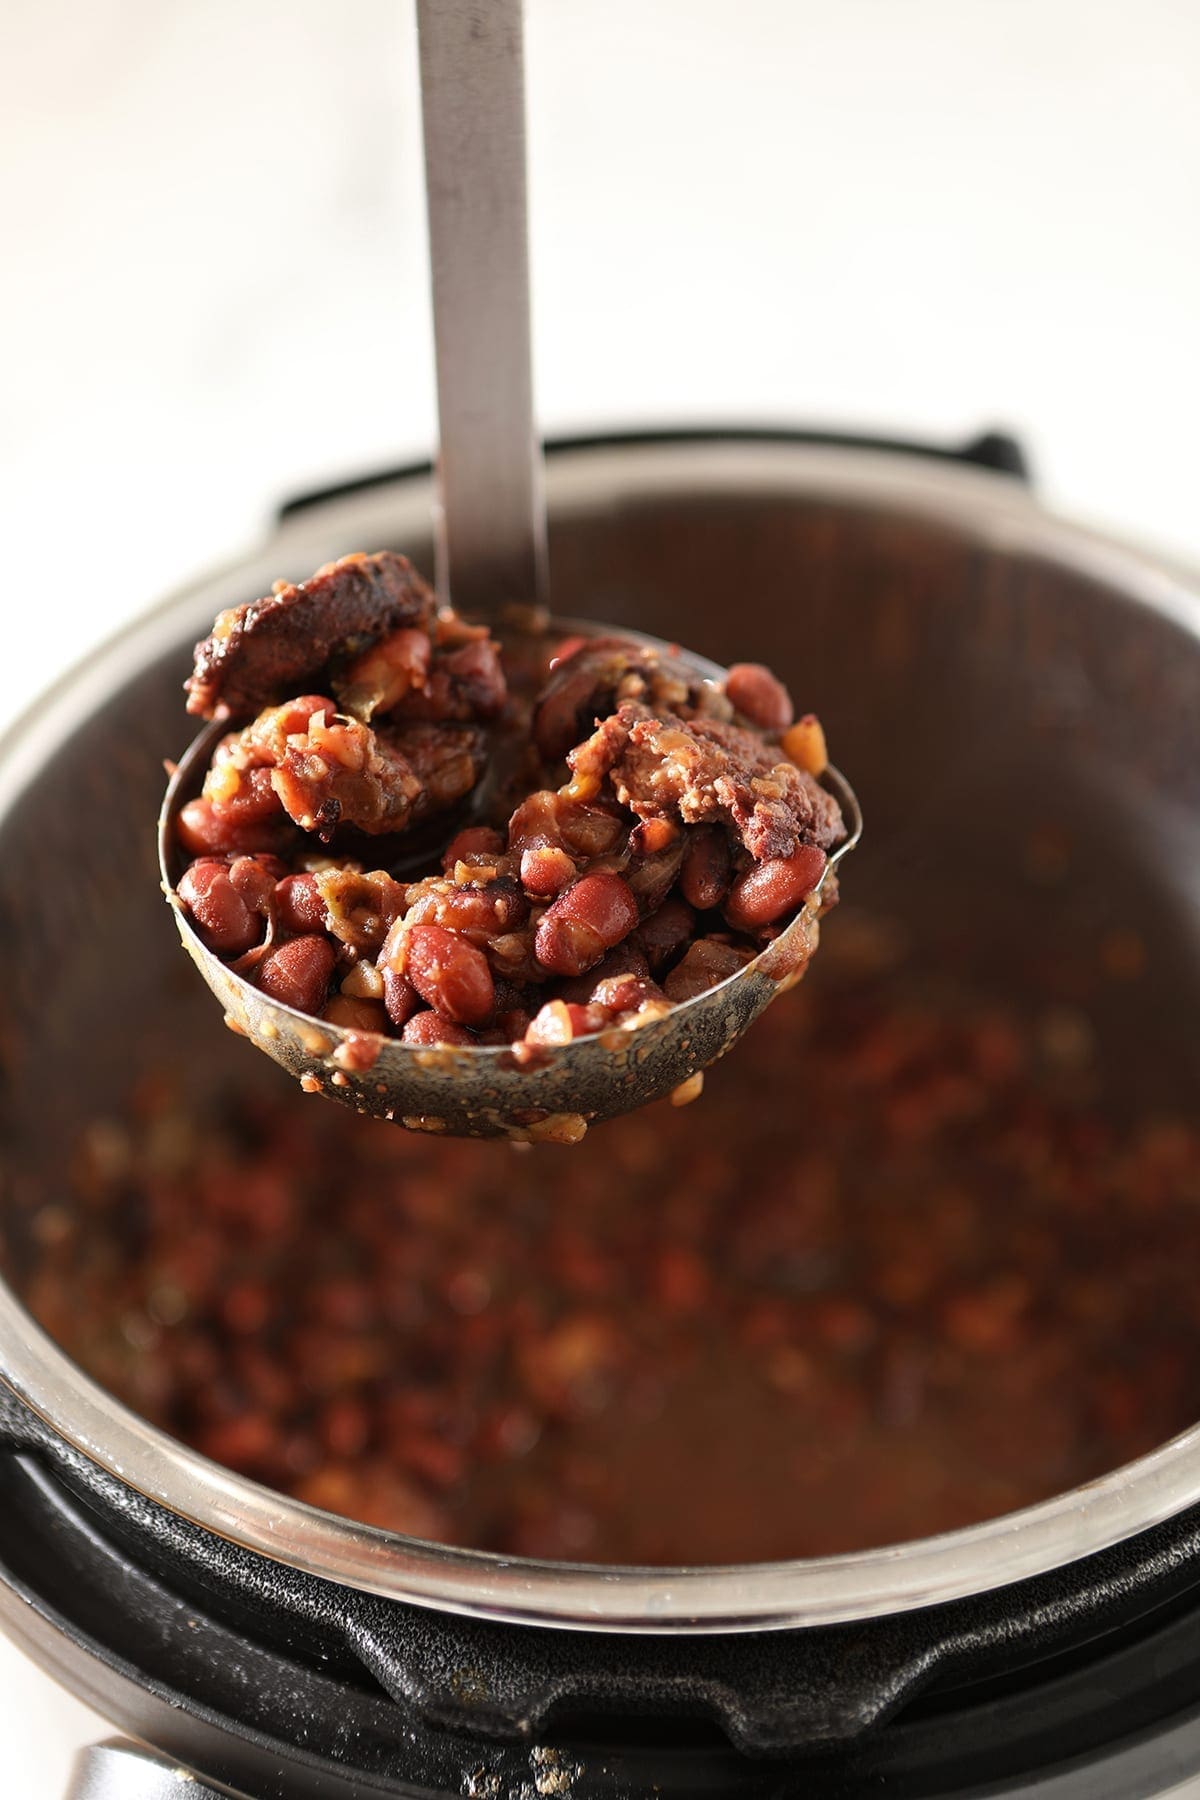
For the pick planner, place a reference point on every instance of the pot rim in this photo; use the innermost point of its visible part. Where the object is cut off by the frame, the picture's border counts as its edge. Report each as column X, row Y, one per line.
column 991, row 509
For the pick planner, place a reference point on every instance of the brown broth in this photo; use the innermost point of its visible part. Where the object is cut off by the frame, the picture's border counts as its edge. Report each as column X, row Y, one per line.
column 900, row 1269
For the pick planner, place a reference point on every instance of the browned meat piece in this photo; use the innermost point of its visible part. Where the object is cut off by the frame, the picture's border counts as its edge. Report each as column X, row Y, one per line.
column 405, row 675
column 466, row 683
column 340, row 772
column 375, row 781
column 447, row 760
column 595, row 679
column 382, row 676
column 328, row 770
column 704, row 770
column 260, row 651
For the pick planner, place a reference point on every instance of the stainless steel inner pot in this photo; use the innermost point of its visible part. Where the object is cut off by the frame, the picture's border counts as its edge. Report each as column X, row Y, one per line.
column 980, row 666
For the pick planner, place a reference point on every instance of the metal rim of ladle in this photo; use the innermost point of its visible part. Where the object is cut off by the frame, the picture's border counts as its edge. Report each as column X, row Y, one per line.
column 749, row 1597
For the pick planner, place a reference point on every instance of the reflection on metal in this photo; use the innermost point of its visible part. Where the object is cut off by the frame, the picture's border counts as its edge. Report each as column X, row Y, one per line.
column 121, row 1771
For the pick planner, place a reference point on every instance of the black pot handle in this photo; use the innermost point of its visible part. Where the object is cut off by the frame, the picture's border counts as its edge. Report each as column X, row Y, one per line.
column 117, row 1770
column 769, row 1693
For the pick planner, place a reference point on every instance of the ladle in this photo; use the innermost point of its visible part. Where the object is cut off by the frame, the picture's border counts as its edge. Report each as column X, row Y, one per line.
column 491, row 555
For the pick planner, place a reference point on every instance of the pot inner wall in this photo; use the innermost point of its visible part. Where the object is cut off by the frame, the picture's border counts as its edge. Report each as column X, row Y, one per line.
column 920, row 1255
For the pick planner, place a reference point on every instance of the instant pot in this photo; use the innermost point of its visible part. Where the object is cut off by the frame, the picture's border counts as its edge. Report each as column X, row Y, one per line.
column 945, row 624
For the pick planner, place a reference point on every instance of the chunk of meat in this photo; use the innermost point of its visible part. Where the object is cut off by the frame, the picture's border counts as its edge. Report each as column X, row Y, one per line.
column 328, row 771
column 704, row 771
column 259, row 651
column 385, row 674
column 447, row 760
column 406, row 676
column 601, row 674
column 464, row 683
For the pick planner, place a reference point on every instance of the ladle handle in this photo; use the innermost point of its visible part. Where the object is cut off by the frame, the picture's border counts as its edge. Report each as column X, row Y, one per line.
column 492, row 529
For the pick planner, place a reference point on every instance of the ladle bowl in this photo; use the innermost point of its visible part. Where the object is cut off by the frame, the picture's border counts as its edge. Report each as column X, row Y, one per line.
column 485, row 1090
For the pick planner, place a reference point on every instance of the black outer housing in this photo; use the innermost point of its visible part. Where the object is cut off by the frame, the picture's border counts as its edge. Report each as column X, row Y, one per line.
column 277, row 1684
column 1085, row 1681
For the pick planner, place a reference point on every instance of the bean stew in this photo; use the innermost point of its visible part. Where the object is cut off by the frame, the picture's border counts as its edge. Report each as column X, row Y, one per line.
column 413, row 829
column 909, row 1266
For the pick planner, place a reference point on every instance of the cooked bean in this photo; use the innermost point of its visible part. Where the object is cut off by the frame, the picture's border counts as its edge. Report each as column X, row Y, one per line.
column 207, row 830
column 299, row 904
column 400, row 997
column 449, row 974
column 627, row 959
column 625, row 993
column 298, row 972
column 546, row 871
column 427, row 1028
column 220, row 914
column 666, row 931
column 254, row 877
column 479, row 910
column 759, row 696
column 707, row 870
column 560, row 1022
column 770, row 889
column 583, row 923
column 472, row 841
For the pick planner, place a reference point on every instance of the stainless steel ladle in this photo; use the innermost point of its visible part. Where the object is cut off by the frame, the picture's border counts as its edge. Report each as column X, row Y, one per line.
column 491, row 554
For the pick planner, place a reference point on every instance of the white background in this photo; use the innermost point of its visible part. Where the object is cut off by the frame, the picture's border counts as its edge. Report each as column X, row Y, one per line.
column 922, row 216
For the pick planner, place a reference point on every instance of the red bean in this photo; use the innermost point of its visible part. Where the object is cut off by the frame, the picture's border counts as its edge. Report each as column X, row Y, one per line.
column 705, row 876
column 770, row 889
column 558, row 1022
column 431, row 1028
column 627, row 959
column 546, row 871
column 479, row 910
column 399, row 996
column 293, row 718
column 472, row 841
column 298, row 973
column 759, row 696
column 583, row 923
column 221, row 916
column 300, row 906
column 207, row 830
column 666, row 931
column 625, row 993
column 254, row 878
column 449, row 974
